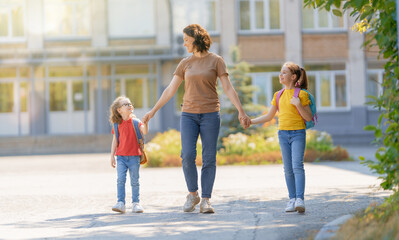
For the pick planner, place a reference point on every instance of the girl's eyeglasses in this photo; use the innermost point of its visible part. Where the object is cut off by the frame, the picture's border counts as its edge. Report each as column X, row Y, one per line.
column 127, row 104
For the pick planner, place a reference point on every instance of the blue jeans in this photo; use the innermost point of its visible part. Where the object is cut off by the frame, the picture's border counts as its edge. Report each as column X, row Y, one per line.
column 123, row 164
column 207, row 126
column 292, row 145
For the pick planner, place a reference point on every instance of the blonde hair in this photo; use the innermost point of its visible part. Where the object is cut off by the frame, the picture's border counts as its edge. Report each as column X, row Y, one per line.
column 300, row 75
column 114, row 115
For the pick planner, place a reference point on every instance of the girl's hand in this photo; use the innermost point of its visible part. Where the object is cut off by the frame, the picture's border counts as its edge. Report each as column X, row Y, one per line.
column 113, row 162
column 295, row 101
column 245, row 121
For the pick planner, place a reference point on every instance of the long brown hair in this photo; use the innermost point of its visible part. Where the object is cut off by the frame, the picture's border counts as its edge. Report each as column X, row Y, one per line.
column 114, row 115
column 202, row 40
column 301, row 80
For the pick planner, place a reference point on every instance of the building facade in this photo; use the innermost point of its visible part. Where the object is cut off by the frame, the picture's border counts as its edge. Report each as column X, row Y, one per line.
column 62, row 62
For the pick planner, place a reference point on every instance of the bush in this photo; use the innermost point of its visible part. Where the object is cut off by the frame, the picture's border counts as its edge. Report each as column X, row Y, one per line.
column 165, row 148
column 318, row 141
column 240, row 149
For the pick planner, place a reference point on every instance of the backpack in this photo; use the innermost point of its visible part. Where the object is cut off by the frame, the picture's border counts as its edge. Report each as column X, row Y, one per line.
column 139, row 136
column 312, row 105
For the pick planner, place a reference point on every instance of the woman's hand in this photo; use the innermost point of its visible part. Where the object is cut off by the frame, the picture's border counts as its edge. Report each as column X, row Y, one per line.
column 148, row 116
column 245, row 121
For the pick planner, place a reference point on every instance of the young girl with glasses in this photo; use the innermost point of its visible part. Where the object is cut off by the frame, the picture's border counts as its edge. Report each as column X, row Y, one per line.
column 128, row 152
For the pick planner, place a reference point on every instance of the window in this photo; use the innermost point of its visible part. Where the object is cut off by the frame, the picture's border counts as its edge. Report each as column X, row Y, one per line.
column 6, row 97
column 58, row 96
column 340, row 91
column 152, row 92
column 66, row 88
column 7, row 89
column 259, row 15
column 67, row 18
column 321, row 20
column 138, row 83
column 131, row 18
column 12, row 19
column 329, row 88
column 23, row 93
column 65, row 71
column 134, row 91
column 204, row 12
column 78, row 96
column 268, row 83
column 374, row 80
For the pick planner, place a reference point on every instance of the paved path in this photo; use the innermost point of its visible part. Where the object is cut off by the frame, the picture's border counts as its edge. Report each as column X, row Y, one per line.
column 70, row 196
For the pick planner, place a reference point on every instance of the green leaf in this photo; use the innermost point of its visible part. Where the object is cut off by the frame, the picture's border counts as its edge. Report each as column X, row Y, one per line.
column 337, row 3
column 378, row 133
column 370, row 128
column 358, row 3
column 347, row 4
column 337, row 12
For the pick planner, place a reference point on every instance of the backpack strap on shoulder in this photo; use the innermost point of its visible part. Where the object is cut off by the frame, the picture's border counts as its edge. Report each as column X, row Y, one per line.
column 296, row 92
column 116, row 132
column 136, row 125
column 278, row 96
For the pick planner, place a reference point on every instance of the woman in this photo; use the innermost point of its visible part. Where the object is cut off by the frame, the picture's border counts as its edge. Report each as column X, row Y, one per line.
column 200, row 112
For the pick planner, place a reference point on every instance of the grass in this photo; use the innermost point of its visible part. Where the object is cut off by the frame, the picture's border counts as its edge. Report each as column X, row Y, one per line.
column 375, row 222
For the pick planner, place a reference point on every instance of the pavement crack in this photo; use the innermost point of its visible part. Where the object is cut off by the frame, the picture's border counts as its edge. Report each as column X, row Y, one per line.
column 256, row 225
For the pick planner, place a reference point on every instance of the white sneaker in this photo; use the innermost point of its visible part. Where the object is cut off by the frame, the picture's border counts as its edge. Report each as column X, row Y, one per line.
column 300, row 205
column 119, row 207
column 137, row 208
column 205, row 206
column 290, row 205
column 191, row 201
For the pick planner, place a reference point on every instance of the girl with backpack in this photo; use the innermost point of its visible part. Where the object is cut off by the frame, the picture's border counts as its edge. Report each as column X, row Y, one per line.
column 125, row 146
column 292, row 102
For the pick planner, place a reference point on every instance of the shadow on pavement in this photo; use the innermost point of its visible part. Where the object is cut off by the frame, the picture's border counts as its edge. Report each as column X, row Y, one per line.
column 256, row 218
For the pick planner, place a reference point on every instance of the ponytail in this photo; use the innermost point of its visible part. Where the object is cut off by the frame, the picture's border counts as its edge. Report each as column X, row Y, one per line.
column 301, row 80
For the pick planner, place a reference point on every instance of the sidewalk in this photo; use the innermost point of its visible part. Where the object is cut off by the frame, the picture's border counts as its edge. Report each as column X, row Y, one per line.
column 355, row 151
column 70, row 196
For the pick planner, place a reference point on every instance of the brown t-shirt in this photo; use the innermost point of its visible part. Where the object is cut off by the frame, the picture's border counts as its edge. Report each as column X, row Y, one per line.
column 200, row 75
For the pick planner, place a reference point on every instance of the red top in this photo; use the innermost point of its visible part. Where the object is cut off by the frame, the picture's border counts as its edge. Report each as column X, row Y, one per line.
column 128, row 145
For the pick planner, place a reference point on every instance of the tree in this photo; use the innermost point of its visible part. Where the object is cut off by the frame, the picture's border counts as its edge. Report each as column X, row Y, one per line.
column 238, row 73
column 378, row 19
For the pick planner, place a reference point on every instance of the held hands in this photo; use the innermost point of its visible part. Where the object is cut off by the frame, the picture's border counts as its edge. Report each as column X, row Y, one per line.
column 147, row 117
column 245, row 121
